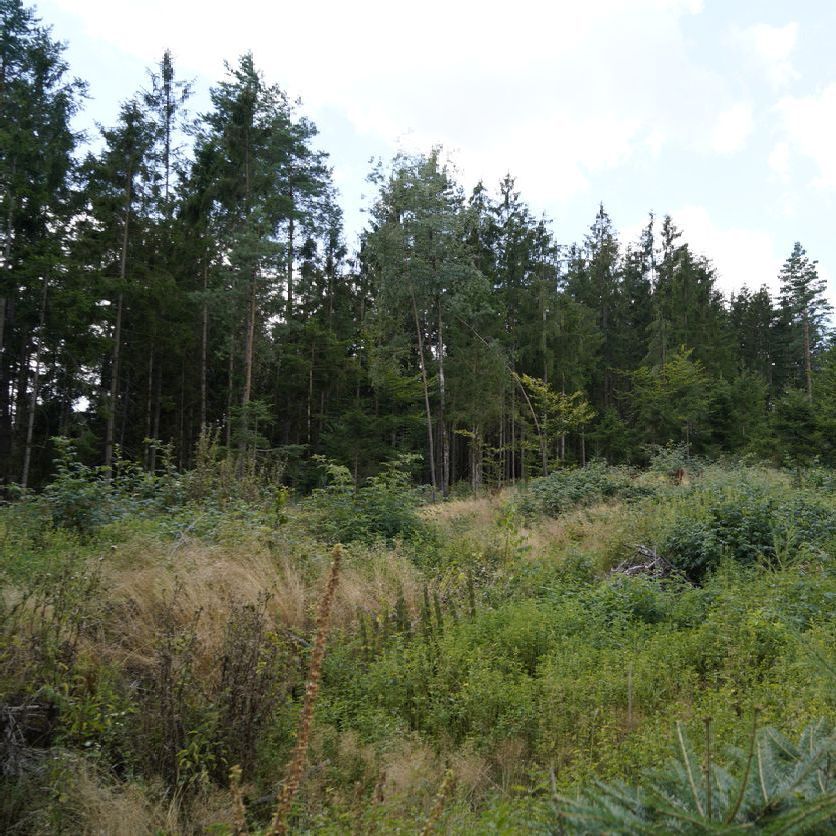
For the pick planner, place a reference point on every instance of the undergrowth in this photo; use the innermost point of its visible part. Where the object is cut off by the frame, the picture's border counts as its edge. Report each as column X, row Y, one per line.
column 486, row 670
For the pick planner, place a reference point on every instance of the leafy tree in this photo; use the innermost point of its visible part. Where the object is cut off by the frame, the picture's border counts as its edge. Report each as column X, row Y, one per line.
column 561, row 414
column 670, row 401
column 416, row 251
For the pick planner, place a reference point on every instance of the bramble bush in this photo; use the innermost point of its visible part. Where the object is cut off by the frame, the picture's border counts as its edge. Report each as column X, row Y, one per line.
column 383, row 507
column 747, row 524
column 576, row 487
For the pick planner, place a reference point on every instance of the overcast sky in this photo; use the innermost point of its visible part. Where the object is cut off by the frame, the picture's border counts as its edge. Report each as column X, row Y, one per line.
column 721, row 113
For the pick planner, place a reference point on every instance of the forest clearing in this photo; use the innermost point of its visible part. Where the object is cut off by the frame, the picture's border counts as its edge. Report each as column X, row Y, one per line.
column 406, row 495
column 485, row 667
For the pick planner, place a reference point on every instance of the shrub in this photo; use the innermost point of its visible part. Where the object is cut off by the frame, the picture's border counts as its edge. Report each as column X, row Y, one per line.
column 383, row 507
column 746, row 525
column 566, row 489
column 775, row 787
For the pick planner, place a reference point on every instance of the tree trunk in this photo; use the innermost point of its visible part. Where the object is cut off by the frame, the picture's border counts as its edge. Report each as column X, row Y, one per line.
column 117, row 331
column 155, row 424
column 149, row 410
column 310, row 389
column 114, row 384
column 423, row 368
column 476, row 459
column 808, row 365
column 248, row 371
column 442, row 398
column 229, row 388
column 289, row 300
column 33, row 403
column 249, row 346
column 204, row 342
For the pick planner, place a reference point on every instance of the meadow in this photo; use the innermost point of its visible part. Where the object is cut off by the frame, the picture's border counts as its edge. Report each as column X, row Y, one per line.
column 492, row 663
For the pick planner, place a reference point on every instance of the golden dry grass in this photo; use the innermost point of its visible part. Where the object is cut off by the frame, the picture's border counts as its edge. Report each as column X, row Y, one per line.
column 477, row 509
column 144, row 578
column 603, row 529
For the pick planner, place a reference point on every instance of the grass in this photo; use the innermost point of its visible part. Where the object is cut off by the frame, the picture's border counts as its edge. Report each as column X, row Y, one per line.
column 487, row 644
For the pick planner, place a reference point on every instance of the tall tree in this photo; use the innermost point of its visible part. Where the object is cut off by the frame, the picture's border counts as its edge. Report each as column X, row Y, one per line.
column 805, row 308
column 37, row 102
column 113, row 231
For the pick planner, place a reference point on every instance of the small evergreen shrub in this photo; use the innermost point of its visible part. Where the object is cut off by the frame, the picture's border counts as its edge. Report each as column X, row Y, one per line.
column 776, row 786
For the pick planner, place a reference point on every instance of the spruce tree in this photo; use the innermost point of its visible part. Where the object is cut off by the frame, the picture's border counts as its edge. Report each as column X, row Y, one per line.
column 38, row 99
column 805, row 309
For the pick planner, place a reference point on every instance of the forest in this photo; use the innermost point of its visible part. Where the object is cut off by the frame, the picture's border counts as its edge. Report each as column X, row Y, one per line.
column 463, row 528
column 180, row 274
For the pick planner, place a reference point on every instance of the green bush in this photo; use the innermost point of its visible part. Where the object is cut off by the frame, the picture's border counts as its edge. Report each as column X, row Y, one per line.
column 747, row 525
column 83, row 499
column 571, row 488
column 385, row 506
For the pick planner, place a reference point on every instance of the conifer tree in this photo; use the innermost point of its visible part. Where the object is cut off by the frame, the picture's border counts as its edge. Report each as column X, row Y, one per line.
column 38, row 99
column 805, row 309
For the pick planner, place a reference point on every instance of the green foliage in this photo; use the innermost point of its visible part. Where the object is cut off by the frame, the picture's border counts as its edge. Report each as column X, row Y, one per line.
column 384, row 506
column 670, row 458
column 776, row 786
column 576, row 487
column 79, row 497
column 83, row 498
column 747, row 524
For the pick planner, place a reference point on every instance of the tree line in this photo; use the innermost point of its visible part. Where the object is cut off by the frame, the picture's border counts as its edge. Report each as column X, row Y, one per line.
column 185, row 275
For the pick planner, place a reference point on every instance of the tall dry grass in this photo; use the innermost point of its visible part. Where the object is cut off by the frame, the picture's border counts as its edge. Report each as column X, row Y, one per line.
column 208, row 578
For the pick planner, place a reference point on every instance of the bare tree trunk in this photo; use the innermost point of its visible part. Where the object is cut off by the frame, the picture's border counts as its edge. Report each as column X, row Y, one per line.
column 808, row 365
column 476, row 458
column 249, row 346
column 310, row 389
column 513, row 436
column 181, row 434
column 33, row 403
column 423, row 368
column 114, row 383
column 204, row 347
column 149, row 410
column 155, row 424
column 117, row 331
column 229, row 386
column 248, row 371
column 290, row 256
column 442, row 398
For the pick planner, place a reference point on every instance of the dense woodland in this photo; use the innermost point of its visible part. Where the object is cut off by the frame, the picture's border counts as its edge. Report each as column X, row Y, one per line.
column 180, row 273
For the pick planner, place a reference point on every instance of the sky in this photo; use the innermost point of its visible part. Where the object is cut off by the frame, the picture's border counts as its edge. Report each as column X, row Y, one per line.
column 721, row 114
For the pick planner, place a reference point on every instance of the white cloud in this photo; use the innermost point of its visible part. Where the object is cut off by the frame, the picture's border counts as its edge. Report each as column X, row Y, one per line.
column 555, row 92
column 809, row 125
column 769, row 50
column 740, row 255
column 732, row 129
column 779, row 161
